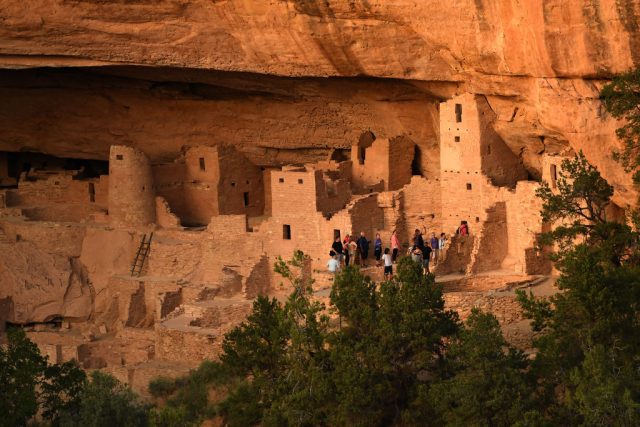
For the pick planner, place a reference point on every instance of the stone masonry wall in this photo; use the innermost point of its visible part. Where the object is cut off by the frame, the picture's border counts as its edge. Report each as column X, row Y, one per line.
column 131, row 189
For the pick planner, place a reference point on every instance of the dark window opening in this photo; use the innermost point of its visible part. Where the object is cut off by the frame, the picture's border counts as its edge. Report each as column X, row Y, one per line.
column 281, row 180
column 245, row 196
column 477, row 219
column 233, row 184
column 286, row 232
column 554, row 175
column 143, row 188
column 202, row 165
column 336, row 234
column 458, row 113
column 456, row 139
column 416, row 164
column 300, row 181
column 247, row 182
column 92, row 192
column 468, row 186
column 339, row 155
column 489, row 149
column 361, row 155
column 119, row 157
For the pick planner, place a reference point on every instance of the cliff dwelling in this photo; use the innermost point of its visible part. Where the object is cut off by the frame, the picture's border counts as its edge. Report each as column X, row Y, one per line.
column 148, row 187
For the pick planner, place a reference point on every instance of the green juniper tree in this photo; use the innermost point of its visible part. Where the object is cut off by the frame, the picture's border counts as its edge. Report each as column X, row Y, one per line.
column 589, row 329
column 28, row 383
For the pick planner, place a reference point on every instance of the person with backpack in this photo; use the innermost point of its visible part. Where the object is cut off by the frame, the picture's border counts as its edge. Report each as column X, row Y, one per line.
column 463, row 230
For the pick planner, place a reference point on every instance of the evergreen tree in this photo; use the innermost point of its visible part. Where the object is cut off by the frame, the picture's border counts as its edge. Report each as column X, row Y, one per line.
column 589, row 329
column 489, row 385
column 29, row 383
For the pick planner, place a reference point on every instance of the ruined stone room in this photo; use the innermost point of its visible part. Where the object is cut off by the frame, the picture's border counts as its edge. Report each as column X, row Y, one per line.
column 159, row 158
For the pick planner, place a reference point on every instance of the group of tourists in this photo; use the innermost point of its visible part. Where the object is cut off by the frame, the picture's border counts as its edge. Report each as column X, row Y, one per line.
column 355, row 251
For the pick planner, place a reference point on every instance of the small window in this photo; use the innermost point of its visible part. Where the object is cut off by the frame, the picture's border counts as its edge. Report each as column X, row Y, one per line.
column 300, row 181
column 489, row 149
column 456, row 139
column 477, row 219
column 468, row 186
column 143, row 188
column 286, row 232
column 202, row 165
column 281, row 180
column 92, row 192
column 458, row 113
column 119, row 157
column 56, row 183
column 233, row 184
column 245, row 196
column 554, row 175
column 247, row 182
column 336, row 234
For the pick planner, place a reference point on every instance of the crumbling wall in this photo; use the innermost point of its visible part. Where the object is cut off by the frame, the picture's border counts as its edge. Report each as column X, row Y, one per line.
column 493, row 240
column 422, row 208
column 208, row 181
column 165, row 217
column 131, row 190
column 382, row 166
column 240, row 188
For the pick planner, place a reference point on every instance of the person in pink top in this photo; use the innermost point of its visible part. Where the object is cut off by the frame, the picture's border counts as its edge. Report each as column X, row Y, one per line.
column 395, row 245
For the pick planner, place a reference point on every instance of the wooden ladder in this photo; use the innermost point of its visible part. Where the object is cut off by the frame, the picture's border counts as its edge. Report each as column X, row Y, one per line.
column 141, row 255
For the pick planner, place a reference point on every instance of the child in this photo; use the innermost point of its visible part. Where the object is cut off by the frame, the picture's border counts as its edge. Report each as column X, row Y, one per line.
column 388, row 264
column 333, row 265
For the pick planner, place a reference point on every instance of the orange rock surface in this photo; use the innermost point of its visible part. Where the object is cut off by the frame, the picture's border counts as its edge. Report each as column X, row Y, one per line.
column 114, row 115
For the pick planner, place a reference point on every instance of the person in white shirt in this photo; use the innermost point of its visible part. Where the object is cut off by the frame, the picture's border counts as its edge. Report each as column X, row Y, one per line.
column 388, row 264
column 333, row 265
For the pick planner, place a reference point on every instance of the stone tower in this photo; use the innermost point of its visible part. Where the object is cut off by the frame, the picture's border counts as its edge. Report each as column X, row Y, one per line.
column 131, row 191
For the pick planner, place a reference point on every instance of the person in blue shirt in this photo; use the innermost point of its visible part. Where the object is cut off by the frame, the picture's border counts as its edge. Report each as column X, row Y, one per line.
column 435, row 246
column 363, row 246
column 377, row 249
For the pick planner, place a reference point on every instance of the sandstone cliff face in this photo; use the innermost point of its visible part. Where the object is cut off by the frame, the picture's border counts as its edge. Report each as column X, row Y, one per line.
column 540, row 63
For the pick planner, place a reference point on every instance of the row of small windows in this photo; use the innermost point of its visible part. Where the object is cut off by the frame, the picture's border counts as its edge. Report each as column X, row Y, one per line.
column 300, row 180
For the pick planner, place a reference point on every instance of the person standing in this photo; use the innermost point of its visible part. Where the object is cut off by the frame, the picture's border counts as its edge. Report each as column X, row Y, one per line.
column 426, row 256
column 388, row 264
column 337, row 248
column 345, row 248
column 435, row 246
column 463, row 230
column 377, row 249
column 363, row 247
column 442, row 244
column 353, row 249
column 395, row 246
